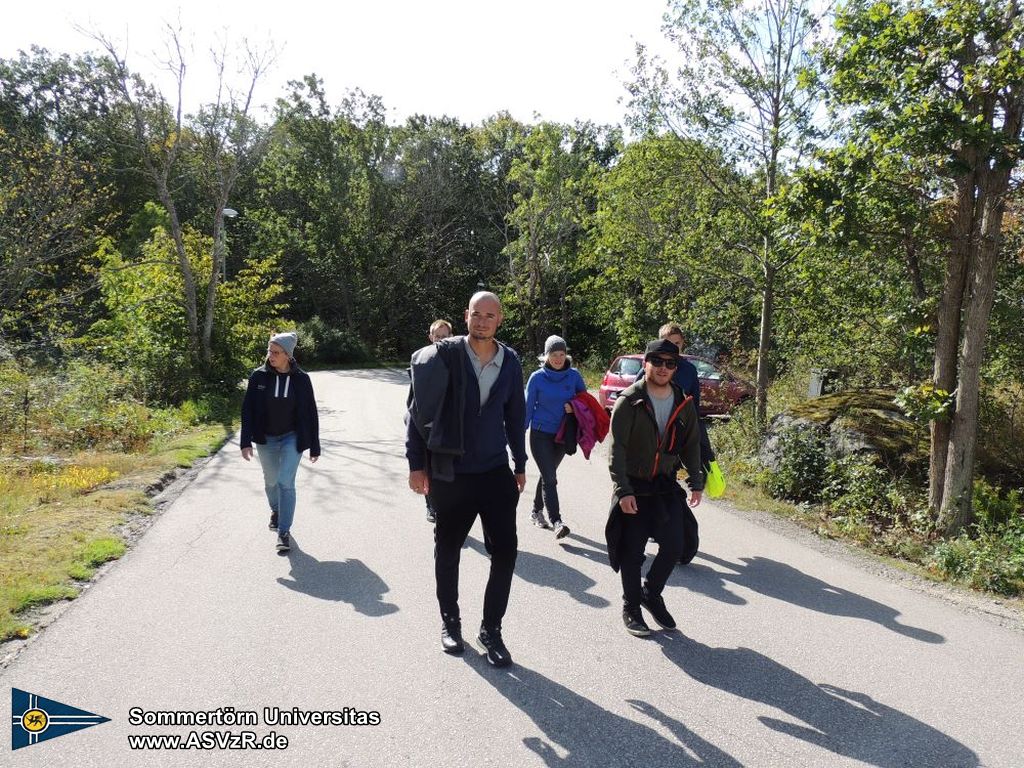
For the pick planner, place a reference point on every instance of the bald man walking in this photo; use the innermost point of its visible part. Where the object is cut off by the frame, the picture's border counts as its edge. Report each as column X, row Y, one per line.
column 466, row 411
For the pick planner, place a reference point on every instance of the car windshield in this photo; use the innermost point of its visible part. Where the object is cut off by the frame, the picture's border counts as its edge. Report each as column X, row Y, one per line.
column 706, row 370
column 630, row 366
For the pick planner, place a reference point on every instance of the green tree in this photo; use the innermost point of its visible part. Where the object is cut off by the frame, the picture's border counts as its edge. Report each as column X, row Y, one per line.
column 863, row 295
column 50, row 215
column 944, row 82
column 220, row 142
column 553, row 205
column 738, row 90
column 145, row 331
column 667, row 245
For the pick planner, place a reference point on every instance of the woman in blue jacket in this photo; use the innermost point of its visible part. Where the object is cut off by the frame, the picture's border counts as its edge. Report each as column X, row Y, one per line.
column 548, row 392
column 279, row 416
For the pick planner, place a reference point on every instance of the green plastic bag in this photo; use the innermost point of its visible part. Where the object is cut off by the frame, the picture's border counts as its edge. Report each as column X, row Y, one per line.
column 714, row 484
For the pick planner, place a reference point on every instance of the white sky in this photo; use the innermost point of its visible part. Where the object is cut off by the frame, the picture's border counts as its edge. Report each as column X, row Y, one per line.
column 562, row 59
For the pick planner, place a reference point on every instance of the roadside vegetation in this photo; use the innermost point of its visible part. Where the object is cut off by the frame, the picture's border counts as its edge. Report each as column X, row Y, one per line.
column 875, row 495
column 81, row 463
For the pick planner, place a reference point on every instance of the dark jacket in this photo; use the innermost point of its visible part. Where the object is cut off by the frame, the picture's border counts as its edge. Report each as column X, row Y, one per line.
column 688, row 380
column 436, row 407
column 637, row 451
column 486, row 433
column 257, row 401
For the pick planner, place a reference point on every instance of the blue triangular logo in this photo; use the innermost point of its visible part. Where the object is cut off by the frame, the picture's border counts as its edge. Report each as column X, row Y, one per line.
column 36, row 718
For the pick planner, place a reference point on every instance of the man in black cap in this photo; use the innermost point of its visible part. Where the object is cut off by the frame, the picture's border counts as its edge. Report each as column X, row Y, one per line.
column 654, row 428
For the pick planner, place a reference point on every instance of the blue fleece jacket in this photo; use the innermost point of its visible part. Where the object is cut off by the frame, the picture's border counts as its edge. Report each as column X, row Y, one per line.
column 547, row 392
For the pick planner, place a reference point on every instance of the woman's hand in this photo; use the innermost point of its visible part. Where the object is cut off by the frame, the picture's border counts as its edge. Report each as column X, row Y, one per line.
column 247, row 453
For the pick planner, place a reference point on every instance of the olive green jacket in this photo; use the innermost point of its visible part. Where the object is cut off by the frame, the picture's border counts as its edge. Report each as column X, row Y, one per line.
column 637, row 452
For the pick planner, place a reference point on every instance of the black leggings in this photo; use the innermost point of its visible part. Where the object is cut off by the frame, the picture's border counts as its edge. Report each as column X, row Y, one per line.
column 548, row 454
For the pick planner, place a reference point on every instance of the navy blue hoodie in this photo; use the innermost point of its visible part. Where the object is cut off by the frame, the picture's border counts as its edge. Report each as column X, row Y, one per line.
column 264, row 385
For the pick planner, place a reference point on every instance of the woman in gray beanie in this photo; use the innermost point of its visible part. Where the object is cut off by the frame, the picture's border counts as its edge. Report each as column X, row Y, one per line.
column 279, row 416
column 548, row 392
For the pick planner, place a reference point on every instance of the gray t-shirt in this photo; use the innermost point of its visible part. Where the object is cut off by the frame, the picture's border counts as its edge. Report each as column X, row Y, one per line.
column 486, row 374
column 662, row 410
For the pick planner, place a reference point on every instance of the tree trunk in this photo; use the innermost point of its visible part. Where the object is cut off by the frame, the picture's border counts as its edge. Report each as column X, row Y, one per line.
column 947, row 340
column 216, row 271
column 956, row 511
column 187, row 276
column 764, row 345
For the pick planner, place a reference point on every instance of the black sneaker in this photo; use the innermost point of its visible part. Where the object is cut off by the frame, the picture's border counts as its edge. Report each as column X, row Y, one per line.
column 634, row 621
column 451, row 637
column 561, row 530
column 431, row 517
column 497, row 653
column 656, row 605
column 284, row 542
column 272, row 525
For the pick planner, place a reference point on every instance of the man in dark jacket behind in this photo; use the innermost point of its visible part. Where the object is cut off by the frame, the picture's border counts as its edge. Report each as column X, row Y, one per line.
column 654, row 427
column 466, row 411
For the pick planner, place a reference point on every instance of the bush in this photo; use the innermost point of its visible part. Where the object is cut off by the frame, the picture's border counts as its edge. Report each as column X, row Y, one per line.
column 736, row 443
column 991, row 555
column 802, row 467
column 994, row 563
column 321, row 343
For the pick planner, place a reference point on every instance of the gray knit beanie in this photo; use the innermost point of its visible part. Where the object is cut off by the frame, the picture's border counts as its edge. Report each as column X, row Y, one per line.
column 555, row 344
column 286, row 341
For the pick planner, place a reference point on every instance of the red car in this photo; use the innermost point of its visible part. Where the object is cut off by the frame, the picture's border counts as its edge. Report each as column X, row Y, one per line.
column 720, row 391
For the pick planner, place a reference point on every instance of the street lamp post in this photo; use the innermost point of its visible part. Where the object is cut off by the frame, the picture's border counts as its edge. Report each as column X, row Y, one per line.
column 229, row 213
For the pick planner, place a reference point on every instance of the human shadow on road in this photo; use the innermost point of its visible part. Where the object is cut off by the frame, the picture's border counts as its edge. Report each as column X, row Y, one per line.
column 844, row 722
column 590, row 735
column 593, row 551
column 344, row 581
column 784, row 582
column 704, row 580
column 549, row 572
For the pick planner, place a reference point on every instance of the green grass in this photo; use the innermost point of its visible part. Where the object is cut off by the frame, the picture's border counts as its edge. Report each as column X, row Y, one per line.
column 94, row 554
column 57, row 520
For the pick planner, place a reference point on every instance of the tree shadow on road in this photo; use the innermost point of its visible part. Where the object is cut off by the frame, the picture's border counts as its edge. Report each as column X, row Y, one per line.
column 844, row 722
column 549, row 572
column 345, row 581
column 591, row 736
column 383, row 375
column 784, row 582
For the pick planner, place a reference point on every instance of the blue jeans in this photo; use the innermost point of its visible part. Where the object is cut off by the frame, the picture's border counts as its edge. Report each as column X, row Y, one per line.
column 280, row 462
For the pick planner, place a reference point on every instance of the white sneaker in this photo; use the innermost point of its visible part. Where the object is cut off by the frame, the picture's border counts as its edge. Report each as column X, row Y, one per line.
column 561, row 530
column 539, row 521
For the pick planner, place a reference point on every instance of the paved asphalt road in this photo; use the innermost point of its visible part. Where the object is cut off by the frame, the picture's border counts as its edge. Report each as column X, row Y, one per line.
column 788, row 654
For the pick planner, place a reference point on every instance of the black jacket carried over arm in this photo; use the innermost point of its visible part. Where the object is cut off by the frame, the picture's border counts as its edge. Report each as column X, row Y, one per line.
column 437, row 398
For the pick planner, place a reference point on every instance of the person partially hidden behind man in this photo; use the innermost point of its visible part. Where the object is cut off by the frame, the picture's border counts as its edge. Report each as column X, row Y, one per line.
column 654, row 427
column 466, row 410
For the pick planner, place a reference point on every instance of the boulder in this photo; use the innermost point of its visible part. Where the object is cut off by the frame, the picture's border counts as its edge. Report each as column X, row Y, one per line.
column 852, row 422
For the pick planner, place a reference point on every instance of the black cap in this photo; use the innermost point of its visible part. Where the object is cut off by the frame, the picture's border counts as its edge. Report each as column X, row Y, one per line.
column 660, row 347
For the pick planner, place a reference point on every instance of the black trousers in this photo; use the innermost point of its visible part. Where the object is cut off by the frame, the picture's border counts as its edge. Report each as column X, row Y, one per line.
column 547, row 454
column 493, row 496
column 659, row 516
